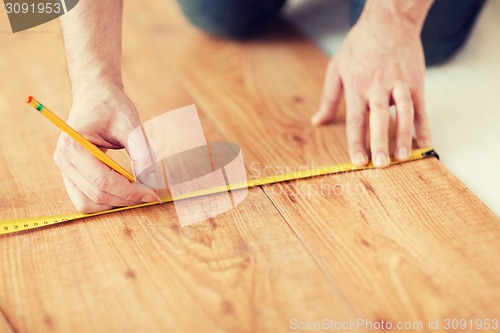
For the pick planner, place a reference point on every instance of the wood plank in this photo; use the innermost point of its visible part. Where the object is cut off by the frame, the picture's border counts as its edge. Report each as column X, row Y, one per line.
column 406, row 243
column 246, row 271
column 4, row 325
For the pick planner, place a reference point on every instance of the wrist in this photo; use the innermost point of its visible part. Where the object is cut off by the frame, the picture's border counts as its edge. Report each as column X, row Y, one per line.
column 96, row 87
column 106, row 104
column 408, row 14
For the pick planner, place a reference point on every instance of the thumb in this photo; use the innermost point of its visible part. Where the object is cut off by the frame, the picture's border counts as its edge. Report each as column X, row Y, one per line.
column 332, row 92
column 142, row 156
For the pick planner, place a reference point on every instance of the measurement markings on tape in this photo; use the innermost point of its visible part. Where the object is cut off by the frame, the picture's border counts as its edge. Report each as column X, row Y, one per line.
column 11, row 226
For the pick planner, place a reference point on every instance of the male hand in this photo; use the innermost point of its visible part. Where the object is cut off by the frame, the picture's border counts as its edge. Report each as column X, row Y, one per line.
column 105, row 116
column 380, row 63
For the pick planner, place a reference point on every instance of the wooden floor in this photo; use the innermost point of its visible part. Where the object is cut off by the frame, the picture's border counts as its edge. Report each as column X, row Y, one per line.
column 408, row 243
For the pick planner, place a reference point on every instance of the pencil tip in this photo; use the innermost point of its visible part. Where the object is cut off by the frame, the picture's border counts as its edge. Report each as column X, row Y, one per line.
column 30, row 98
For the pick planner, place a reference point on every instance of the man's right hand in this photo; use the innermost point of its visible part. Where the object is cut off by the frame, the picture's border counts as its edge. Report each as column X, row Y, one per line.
column 105, row 116
column 101, row 111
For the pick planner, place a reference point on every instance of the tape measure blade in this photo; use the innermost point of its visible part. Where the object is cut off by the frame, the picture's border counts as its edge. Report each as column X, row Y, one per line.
column 11, row 226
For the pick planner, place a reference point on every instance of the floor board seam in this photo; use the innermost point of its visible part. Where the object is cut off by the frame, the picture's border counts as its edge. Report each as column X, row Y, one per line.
column 193, row 93
column 187, row 86
column 333, row 285
column 6, row 321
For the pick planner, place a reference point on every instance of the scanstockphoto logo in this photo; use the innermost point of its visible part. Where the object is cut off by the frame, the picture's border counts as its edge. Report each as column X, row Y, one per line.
column 172, row 156
column 26, row 14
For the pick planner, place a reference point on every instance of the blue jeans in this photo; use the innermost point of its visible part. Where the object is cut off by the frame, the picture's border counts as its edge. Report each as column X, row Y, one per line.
column 445, row 31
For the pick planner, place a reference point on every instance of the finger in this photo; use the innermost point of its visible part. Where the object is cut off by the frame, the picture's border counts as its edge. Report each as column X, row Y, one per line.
column 379, row 127
column 143, row 159
column 92, row 193
column 422, row 128
column 356, row 114
column 404, row 121
column 332, row 92
column 107, row 180
column 81, row 202
column 140, row 151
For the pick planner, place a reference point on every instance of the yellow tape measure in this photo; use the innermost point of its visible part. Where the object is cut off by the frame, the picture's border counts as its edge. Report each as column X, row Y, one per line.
column 11, row 226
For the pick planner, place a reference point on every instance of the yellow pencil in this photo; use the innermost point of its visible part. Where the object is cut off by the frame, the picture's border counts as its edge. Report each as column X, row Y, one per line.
column 80, row 139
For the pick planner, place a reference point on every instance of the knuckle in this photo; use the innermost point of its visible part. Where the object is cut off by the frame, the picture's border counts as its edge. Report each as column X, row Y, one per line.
column 379, row 116
column 356, row 82
column 404, row 98
column 131, row 195
column 72, row 158
column 379, row 106
column 64, row 143
column 98, row 197
column 66, row 149
column 101, row 181
column 355, row 121
column 379, row 142
column 378, row 80
column 356, row 140
column 404, row 103
column 356, row 146
column 405, row 137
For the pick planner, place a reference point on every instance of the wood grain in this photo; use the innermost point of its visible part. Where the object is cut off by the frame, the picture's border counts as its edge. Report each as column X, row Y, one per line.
column 4, row 325
column 246, row 271
column 406, row 243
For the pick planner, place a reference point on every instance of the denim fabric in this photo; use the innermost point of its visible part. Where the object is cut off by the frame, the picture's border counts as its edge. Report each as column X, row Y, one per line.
column 230, row 18
column 445, row 31
column 446, row 28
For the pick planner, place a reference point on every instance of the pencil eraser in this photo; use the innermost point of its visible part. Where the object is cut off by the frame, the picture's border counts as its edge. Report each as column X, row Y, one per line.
column 30, row 98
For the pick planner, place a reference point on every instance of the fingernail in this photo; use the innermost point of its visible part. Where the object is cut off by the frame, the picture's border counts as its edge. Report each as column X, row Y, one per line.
column 381, row 160
column 151, row 198
column 402, row 153
column 359, row 159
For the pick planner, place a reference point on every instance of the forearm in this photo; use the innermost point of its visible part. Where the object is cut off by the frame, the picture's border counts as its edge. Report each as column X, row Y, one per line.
column 412, row 11
column 92, row 39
